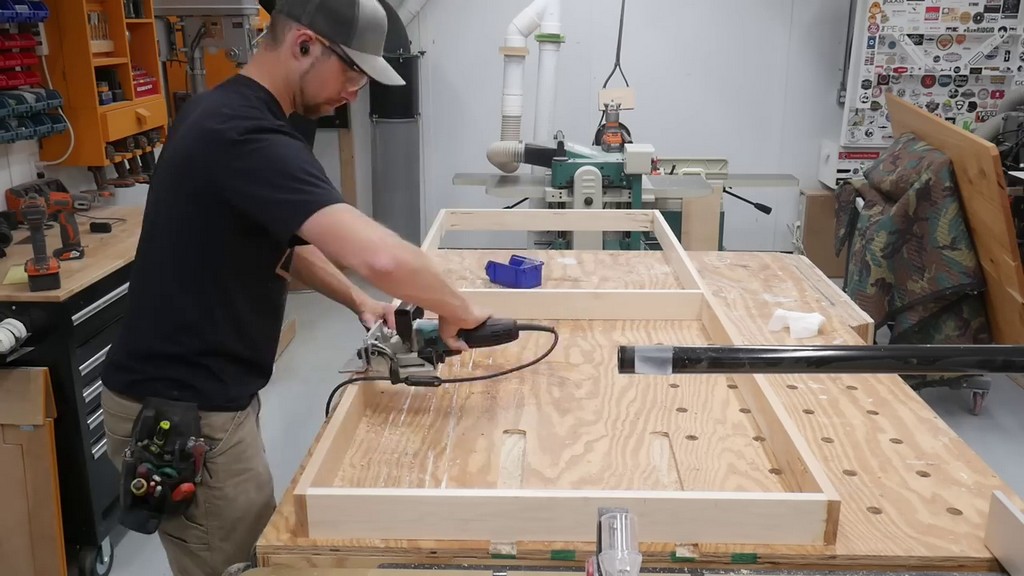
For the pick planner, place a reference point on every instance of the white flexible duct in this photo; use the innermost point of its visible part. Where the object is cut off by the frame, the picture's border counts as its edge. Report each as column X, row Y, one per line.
column 522, row 27
column 506, row 154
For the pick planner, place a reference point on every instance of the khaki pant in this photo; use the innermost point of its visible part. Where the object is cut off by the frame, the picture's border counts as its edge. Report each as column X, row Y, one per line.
column 234, row 501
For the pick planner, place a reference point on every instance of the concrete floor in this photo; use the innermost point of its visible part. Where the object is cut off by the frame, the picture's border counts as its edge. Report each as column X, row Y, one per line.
column 328, row 334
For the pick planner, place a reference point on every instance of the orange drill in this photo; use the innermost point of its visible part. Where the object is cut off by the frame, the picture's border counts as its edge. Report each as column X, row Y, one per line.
column 42, row 269
column 64, row 205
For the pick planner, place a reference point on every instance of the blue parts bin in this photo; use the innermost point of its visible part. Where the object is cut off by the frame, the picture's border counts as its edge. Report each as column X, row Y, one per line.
column 28, row 110
column 23, row 12
column 520, row 272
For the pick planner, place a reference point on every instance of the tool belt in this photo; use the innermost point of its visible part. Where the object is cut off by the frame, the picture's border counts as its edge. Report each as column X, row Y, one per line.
column 162, row 465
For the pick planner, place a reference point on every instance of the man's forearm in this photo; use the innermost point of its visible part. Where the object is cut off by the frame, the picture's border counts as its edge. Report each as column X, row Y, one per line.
column 312, row 268
column 349, row 239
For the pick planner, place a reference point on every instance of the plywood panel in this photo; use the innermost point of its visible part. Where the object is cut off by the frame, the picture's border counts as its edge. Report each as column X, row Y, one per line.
column 912, row 490
column 983, row 194
column 931, row 490
column 580, row 424
column 788, row 455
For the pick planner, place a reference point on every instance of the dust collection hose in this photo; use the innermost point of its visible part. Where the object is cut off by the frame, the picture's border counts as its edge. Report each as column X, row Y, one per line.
column 898, row 359
column 506, row 156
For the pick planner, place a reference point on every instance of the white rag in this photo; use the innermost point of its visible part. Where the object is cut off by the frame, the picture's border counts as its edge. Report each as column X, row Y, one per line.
column 800, row 324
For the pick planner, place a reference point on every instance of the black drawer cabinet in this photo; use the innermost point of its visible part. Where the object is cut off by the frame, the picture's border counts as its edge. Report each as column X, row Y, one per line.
column 72, row 339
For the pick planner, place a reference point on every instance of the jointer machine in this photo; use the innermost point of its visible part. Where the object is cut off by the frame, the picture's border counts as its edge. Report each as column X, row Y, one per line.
column 614, row 172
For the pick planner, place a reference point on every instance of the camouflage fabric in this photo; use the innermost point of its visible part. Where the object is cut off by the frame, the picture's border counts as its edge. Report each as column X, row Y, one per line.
column 912, row 260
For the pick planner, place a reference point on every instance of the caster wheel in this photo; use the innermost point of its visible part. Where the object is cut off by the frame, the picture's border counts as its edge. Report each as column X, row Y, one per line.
column 978, row 401
column 96, row 561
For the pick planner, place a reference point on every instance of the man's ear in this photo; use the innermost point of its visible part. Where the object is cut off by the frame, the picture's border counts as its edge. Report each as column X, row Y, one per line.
column 303, row 43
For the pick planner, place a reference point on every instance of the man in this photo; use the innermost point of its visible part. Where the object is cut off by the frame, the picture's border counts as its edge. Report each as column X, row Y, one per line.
column 238, row 203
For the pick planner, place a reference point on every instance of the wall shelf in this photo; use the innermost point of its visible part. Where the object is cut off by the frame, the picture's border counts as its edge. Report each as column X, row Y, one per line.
column 108, row 61
column 107, row 67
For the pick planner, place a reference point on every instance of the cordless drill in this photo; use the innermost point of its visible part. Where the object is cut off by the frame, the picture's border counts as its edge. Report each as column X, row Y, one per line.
column 43, row 270
column 61, row 205
column 65, row 205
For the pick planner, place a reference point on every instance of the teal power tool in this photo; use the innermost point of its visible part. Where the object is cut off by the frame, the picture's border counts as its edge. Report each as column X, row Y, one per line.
column 413, row 352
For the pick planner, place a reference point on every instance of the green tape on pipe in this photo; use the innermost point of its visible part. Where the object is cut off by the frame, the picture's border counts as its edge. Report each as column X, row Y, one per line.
column 563, row 555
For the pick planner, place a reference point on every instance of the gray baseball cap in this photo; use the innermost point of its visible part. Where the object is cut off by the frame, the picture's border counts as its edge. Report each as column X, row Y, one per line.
column 356, row 29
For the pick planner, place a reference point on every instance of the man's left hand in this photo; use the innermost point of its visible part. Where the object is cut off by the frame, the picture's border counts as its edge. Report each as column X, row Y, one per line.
column 371, row 311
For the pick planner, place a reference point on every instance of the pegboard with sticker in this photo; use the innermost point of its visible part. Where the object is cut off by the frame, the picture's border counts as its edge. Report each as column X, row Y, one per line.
column 957, row 59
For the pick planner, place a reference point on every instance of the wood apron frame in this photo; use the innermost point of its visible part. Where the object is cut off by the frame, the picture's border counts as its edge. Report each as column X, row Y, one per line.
column 806, row 514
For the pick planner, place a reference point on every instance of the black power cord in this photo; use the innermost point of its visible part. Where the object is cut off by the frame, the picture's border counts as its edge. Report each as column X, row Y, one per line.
column 435, row 381
column 616, row 66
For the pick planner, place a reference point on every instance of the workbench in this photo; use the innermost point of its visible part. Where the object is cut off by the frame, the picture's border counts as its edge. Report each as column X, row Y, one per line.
column 72, row 328
column 914, row 495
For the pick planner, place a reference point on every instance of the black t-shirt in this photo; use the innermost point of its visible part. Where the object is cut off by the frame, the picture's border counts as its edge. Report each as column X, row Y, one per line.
column 233, row 185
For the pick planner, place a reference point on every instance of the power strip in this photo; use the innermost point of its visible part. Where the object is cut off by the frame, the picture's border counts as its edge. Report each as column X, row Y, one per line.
column 43, row 49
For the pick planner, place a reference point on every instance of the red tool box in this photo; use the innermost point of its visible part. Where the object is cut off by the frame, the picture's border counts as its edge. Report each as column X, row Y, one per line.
column 144, row 83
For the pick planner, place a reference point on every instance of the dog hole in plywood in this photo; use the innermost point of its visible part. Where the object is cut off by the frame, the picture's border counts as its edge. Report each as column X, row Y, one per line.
column 874, row 510
column 924, row 473
column 673, row 385
column 759, row 438
column 682, row 410
column 663, row 458
column 513, row 458
column 827, row 440
column 850, row 473
column 792, row 386
column 775, row 471
column 808, row 411
column 691, row 437
column 895, row 440
column 732, row 386
column 873, row 412
column 744, row 410
column 852, row 387
column 954, row 511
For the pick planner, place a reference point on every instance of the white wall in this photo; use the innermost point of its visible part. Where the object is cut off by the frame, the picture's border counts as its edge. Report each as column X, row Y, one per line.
column 763, row 93
column 18, row 165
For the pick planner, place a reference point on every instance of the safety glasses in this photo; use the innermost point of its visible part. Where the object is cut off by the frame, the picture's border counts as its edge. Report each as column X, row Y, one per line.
column 357, row 80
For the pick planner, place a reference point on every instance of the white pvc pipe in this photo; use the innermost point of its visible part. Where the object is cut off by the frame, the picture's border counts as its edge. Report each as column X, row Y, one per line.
column 525, row 24
column 547, row 83
column 540, row 15
column 409, row 9
column 552, row 20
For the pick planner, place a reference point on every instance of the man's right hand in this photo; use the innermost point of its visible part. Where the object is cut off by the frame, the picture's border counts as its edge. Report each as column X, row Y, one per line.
column 449, row 326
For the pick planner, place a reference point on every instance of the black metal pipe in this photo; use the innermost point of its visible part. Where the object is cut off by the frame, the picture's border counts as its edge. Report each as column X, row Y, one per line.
column 899, row 359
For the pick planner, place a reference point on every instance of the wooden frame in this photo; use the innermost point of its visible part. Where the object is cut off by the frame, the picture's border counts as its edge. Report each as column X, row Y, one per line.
column 1004, row 533
column 979, row 175
column 807, row 513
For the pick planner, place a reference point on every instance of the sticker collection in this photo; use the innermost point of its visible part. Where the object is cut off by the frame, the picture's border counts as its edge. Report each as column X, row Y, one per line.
column 956, row 59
